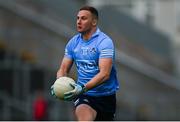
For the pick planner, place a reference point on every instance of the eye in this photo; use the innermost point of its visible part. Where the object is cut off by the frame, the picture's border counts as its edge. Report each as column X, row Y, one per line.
column 84, row 18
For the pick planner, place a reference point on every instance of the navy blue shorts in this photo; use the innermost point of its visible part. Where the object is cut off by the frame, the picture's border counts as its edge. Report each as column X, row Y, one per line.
column 105, row 106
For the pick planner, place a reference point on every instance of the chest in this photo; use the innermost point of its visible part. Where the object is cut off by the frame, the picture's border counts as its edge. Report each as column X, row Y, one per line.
column 86, row 51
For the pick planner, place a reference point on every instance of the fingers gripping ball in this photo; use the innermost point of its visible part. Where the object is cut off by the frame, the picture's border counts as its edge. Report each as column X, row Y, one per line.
column 62, row 85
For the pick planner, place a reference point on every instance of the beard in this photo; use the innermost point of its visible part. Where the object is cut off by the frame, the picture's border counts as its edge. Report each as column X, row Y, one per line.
column 85, row 31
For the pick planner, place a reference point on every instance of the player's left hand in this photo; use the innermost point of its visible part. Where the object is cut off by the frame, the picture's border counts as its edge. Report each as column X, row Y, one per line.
column 77, row 90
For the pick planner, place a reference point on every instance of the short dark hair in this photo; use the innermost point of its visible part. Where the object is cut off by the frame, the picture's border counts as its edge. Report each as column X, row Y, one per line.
column 90, row 9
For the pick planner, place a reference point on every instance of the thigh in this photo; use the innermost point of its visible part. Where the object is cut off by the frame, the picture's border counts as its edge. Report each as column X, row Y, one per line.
column 83, row 108
column 84, row 112
column 104, row 106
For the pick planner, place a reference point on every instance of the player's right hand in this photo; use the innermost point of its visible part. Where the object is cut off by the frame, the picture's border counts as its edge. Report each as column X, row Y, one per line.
column 52, row 91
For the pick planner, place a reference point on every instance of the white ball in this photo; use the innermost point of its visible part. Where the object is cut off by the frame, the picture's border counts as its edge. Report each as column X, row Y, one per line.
column 62, row 85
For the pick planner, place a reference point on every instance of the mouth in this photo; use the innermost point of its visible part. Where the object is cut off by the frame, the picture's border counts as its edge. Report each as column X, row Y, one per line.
column 79, row 27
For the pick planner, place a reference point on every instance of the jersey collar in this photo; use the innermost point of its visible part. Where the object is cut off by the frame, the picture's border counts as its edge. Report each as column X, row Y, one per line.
column 96, row 33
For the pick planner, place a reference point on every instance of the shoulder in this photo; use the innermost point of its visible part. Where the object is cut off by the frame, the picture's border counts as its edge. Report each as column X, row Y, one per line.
column 104, row 42
column 73, row 40
column 104, row 37
column 75, row 37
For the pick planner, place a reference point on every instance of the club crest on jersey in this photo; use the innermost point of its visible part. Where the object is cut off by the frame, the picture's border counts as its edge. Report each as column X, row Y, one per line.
column 93, row 50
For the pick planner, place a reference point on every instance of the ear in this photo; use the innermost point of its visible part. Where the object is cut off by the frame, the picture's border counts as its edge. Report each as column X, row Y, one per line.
column 94, row 22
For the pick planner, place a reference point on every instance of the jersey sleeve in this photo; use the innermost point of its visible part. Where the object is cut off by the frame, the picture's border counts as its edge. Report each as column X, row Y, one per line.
column 106, row 48
column 68, row 50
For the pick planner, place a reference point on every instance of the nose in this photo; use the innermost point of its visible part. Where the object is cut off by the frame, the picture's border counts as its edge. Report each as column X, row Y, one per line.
column 78, row 21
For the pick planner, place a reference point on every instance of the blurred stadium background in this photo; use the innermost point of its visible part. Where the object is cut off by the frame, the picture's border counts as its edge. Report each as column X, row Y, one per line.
column 146, row 33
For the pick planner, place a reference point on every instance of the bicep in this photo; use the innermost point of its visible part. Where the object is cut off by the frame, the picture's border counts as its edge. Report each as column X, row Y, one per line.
column 105, row 65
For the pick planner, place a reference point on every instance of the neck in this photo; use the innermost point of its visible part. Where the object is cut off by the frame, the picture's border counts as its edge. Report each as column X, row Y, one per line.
column 87, row 35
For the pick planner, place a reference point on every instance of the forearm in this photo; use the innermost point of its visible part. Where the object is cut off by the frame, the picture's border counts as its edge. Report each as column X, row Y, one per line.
column 100, row 78
column 105, row 66
column 64, row 68
column 61, row 73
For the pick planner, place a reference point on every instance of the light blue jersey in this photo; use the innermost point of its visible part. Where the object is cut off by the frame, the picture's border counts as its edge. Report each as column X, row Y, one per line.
column 86, row 56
